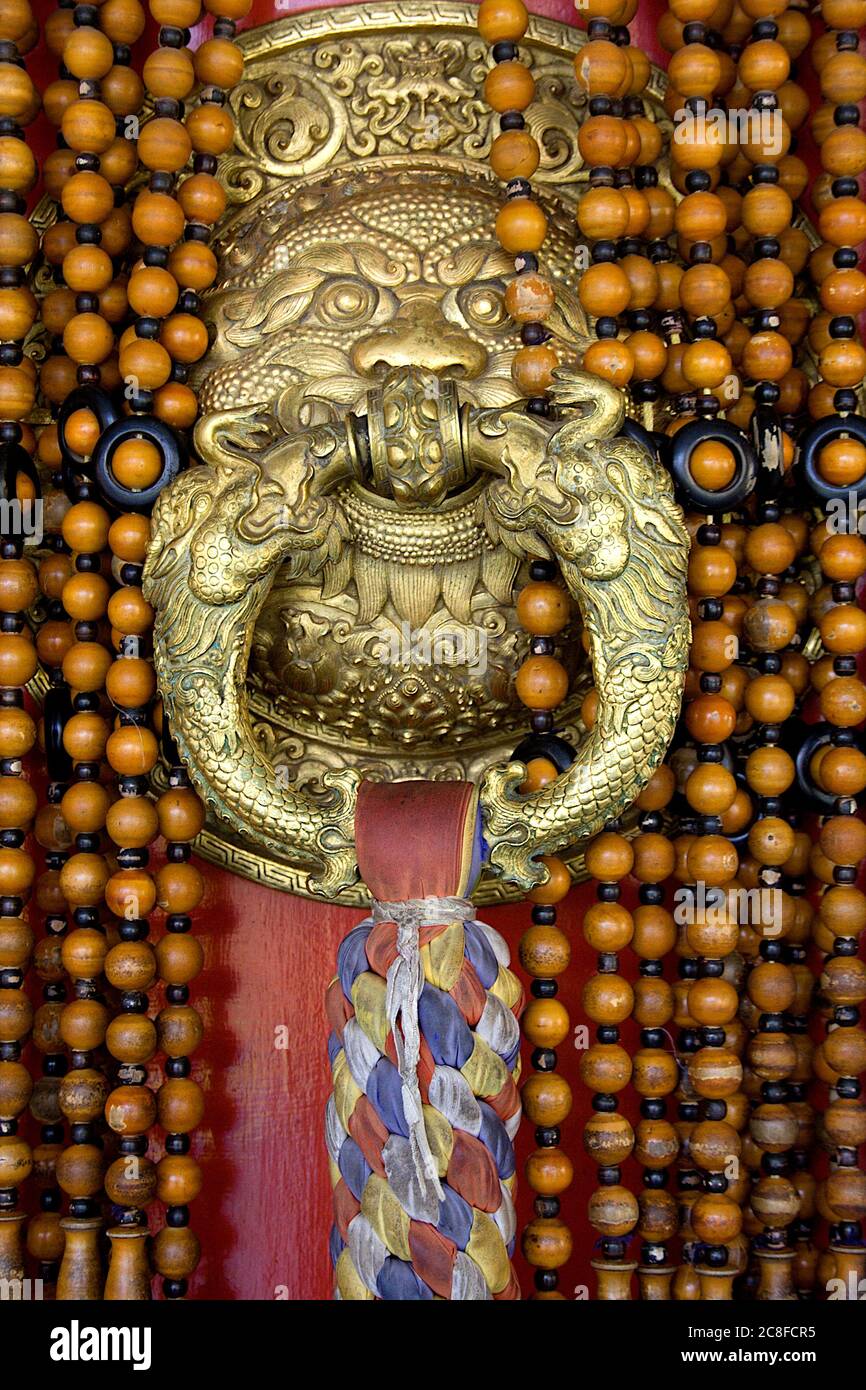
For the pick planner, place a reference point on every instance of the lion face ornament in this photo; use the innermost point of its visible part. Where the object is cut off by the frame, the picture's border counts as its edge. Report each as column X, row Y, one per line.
column 368, row 482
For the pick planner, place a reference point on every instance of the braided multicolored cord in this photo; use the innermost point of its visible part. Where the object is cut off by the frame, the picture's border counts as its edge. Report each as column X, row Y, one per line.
column 393, row 1236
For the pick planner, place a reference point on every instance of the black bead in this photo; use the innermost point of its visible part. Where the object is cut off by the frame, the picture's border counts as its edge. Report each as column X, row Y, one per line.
column 544, row 1059
column 544, row 989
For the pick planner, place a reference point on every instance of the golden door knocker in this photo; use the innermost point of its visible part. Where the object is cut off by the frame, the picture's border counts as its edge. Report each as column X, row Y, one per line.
column 571, row 487
column 368, row 484
column 369, row 488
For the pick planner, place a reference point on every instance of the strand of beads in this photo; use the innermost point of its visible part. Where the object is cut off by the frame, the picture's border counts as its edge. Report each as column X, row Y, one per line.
column 18, row 588
column 18, row 245
column 45, row 1234
column 179, row 958
column 608, row 1000
column 131, row 822
column 544, row 609
column 614, row 213
column 656, row 1073
column 521, row 226
column 770, row 627
column 82, row 881
column 837, row 767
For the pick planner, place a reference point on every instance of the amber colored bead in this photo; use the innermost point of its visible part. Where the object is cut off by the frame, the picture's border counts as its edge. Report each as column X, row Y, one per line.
column 607, row 927
column 220, row 63
column 532, row 370
column 83, row 953
column 128, row 537
column 132, row 822
column 845, row 1051
column 84, row 807
column 203, row 198
column 602, row 213
column 131, row 965
column 842, row 462
column 769, row 771
column 546, row 1098
column 712, row 1001
column 176, row 404
column 176, row 1250
column 179, row 1179
column 88, row 53
column 605, row 1067
column 609, row 856
column 17, row 803
column 83, row 1024
column 509, row 86
column 545, row 1022
column 164, row 144
column 130, row 1109
column 521, row 226
column 180, row 887
column 607, row 999
column 543, row 609
column 771, row 987
column 131, row 1038
column 771, row 841
column 88, row 126
column 610, row 359
column 843, row 839
column 842, row 222
column 122, row 20
column 843, row 363
column 546, row 1243
column 157, row 219
column 842, row 771
column 710, row 719
column 131, row 1186
column 604, row 290
column 501, row 21
column 658, row 790
column 613, row 1210
column 130, row 893
column 210, row 127
column 602, row 69
column 770, row 699
column 19, row 240
column 180, row 1104
column 17, row 312
column 541, row 682
column 545, row 951
column 152, row 290
column 601, row 141
column 17, row 732
column 528, row 299
column 653, row 1002
column 843, row 629
column 179, row 957
column 146, row 362
column 169, row 72
column 843, row 702
column 712, row 572
column 711, row 789
column 183, row 13
column 79, row 1170
column 193, row 265
column 654, row 932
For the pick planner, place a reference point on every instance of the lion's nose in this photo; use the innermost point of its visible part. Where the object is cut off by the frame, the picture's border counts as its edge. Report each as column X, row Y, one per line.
column 420, row 336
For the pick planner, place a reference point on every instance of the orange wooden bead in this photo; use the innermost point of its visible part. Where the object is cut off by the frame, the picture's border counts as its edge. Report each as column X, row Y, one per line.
column 557, row 885
column 509, row 86
column 219, row 62
column 169, row 72
column 501, row 21
column 88, row 126
column 541, row 683
column 604, row 290
column 164, row 144
column 211, row 129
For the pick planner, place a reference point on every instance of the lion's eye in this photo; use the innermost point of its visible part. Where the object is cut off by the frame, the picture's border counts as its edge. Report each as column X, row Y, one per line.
column 345, row 302
column 482, row 306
